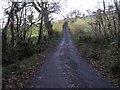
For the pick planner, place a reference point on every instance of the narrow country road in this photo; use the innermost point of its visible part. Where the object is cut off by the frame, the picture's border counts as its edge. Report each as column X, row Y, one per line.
column 64, row 68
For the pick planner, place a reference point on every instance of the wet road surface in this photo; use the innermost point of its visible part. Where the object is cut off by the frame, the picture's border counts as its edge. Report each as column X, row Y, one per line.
column 64, row 68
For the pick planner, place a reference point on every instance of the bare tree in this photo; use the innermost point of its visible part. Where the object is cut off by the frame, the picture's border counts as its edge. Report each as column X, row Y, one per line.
column 45, row 9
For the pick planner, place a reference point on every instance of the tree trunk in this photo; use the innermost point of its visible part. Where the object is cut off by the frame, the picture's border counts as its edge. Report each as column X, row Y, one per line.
column 12, row 30
column 40, row 30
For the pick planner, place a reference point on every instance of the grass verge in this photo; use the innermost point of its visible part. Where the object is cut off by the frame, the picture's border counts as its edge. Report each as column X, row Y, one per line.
column 17, row 75
column 95, row 52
